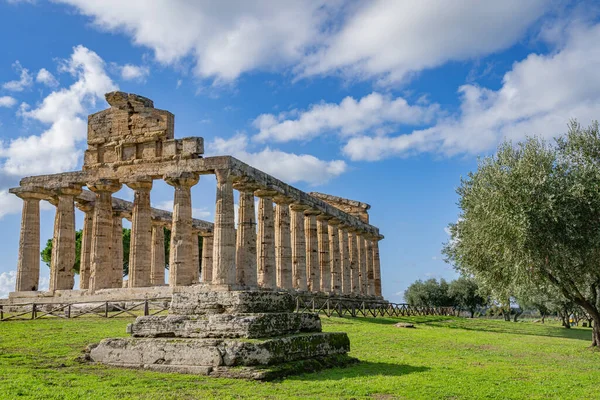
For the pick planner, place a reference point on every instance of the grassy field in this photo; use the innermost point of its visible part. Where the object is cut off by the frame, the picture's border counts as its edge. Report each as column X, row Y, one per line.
column 443, row 358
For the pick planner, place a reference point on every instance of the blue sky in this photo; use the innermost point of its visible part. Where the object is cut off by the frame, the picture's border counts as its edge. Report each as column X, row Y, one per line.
column 385, row 102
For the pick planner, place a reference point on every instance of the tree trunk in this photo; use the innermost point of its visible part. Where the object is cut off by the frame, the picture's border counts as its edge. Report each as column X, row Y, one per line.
column 596, row 333
column 543, row 318
column 472, row 313
column 518, row 312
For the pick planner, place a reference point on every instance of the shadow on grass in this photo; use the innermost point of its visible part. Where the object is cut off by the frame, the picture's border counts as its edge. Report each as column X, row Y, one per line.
column 361, row 369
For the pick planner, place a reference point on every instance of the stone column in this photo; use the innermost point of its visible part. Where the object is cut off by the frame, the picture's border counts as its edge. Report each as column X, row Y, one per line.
column 354, row 263
column 283, row 247
column 140, row 246
column 298, row 241
column 207, row 258
column 377, row 266
column 116, row 274
column 362, row 264
column 85, row 264
column 28, row 264
column 196, row 256
column 265, row 248
column 101, row 249
column 324, row 262
column 62, row 276
column 180, row 260
column 334, row 257
column 245, row 253
column 313, row 270
column 370, row 275
column 345, row 260
column 157, row 256
column 224, row 231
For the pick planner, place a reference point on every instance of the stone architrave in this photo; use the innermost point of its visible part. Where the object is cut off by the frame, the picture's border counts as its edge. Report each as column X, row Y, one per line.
column 354, row 263
column 141, row 235
column 370, row 275
column 362, row 264
column 224, row 231
column 334, row 257
column 245, row 253
column 181, row 268
column 345, row 259
column 265, row 256
column 324, row 261
column 62, row 275
column 298, row 241
column 313, row 270
column 116, row 274
column 101, row 249
column 207, row 258
column 158, row 261
column 377, row 266
column 28, row 264
column 85, row 265
column 283, row 248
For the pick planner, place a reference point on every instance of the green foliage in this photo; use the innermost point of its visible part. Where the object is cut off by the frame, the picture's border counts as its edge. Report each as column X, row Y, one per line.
column 443, row 358
column 530, row 217
column 465, row 295
column 429, row 293
column 46, row 254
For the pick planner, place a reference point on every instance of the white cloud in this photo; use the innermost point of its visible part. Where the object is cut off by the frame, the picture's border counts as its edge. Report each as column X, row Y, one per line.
column 390, row 40
column 288, row 167
column 25, row 80
column 7, row 283
column 372, row 113
column 7, row 101
column 538, row 97
column 9, row 203
column 45, row 77
column 65, row 110
column 167, row 205
column 225, row 38
column 134, row 72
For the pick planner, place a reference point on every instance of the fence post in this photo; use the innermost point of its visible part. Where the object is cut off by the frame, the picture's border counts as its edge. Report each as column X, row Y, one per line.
column 106, row 309
column 146, row 308
column 69, row 311
column 33, row 311
column 1, row 312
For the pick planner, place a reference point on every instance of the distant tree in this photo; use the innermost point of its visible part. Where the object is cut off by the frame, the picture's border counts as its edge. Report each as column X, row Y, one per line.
column 465, row 295
column 429, row 293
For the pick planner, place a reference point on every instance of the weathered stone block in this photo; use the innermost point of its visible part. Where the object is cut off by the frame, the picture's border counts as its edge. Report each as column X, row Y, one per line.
column 169, row 148
column 231, row 302
column 192, row 146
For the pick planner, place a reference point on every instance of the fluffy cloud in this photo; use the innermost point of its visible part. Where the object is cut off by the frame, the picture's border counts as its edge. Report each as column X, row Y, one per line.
column 386, row 40
column 7, row 283
column 288, row 167
column 372, row 113
column 9, row 203
column 25, row 80
column 64, row 110
column 7, row 101
column 167, row 205
column 538, row 97
column 45, row 77
column 134, row 72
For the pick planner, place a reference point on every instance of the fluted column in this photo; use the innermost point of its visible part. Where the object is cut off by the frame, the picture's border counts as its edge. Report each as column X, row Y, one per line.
column 140, row 247
column 245, row 253
column 324, row 262
column 283, row 248
column 85, row 264
column 157, row 256
column 354, row 263
column 334, row 256
column 362, row 264
column 265, row 248
column 62, row 276
column 116, row 274
column 370, row 275
column 377, row 266
column 181, row 268
column 313, row 270
column 207, row 258
column 101, row 249
column 196, row 256
column 345, row 259
column 28, row 264
column 298, row 241
column 224, row 231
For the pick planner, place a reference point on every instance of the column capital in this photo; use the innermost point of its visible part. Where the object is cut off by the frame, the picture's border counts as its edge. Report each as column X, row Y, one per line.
column 30, row 193
column 160, row 222
column 334, row 221
column 206, row 234
column 224, row 175
column 298, row 207
column 282, row 200
column 185, row 179
column 244, row 184
column 265, row 193
column 84, row 206
column 140, row 184
column 312, row 211
column 323, row 217
column 68, row 190
column 104, row 185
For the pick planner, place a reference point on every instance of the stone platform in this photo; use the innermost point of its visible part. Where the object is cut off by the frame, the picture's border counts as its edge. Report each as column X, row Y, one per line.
column 244, row 334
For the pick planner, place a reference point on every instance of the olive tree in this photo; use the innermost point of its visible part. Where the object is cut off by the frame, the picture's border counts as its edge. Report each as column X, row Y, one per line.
column 530, row 215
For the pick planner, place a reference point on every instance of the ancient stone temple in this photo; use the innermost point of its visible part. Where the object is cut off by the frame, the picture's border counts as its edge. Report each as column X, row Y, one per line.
column 295, row 242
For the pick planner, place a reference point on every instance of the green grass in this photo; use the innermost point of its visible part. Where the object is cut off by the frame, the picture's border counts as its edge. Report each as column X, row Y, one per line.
column 443, row 358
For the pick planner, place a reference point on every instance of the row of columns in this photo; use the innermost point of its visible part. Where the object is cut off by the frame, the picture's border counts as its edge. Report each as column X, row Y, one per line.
column 289, row 247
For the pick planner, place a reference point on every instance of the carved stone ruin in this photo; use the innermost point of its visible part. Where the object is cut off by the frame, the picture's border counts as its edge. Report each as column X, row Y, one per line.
column 238, row 311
